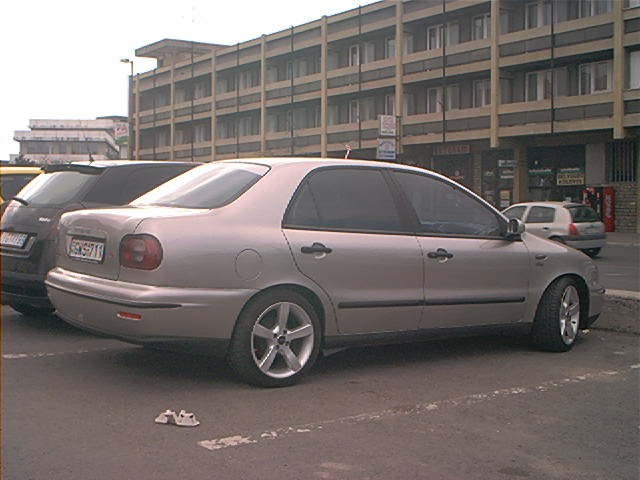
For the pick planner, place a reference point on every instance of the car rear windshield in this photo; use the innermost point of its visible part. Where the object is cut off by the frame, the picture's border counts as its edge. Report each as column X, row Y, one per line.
column 56, row 188
column 582, row 214
column 209, row 186
column 10, row 185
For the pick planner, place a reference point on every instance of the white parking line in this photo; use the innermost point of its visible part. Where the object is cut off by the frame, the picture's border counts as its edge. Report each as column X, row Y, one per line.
column 239, row 440
column 19, row 356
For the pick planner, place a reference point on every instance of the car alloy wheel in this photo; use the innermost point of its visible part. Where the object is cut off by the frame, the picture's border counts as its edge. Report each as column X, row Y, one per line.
column 557, row 322
column 276, row 339
column 282, row 340
column 569, row 314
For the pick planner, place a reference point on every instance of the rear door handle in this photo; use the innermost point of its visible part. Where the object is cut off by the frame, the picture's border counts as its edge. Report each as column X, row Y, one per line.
column 440, row 253
column 316, row 248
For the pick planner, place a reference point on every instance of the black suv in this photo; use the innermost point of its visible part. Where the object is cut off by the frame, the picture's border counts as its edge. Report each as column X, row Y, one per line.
column 30, row 220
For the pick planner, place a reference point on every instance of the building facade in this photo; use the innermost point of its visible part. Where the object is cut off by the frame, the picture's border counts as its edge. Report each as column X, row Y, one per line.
column 518, row 100
column 62, row 141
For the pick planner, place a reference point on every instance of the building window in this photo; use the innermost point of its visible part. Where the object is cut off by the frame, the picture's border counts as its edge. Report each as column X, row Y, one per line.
column 633, row 3
column 482, row 93
column 538, row 85
column 482, row 26
column 438, row 33
column 409, row 104
column 408, row 43
column 623, row 161
column 634, row 69
column 369, row 52
column 390, row 104
column 354, row 55
column 538, row 14
column 435, row 100
column 354, row 111
column 589, row 8
column 389, row 47
column 596, row 77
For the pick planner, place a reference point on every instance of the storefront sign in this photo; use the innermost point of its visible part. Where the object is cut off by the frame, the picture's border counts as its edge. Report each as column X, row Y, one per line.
column 507, row 173
column 386, row 149
column 570, row 176
column 540, row 172
column 452, row 149
column 507, row 163
column 387, row 126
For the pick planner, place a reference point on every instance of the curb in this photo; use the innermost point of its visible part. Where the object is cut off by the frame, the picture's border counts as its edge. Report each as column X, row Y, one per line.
column 620, row 312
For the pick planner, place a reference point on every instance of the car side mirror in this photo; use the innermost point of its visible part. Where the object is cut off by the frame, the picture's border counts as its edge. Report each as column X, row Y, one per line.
column 515, row 228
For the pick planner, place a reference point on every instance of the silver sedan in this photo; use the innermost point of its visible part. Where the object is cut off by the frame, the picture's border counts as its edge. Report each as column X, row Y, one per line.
column 268, row 261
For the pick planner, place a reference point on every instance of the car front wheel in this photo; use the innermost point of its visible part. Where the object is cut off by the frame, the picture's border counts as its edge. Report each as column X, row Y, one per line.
column 276, row 339
column 557, row 323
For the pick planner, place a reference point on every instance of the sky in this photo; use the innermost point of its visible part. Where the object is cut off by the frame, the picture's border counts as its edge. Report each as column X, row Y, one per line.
column 61, row 59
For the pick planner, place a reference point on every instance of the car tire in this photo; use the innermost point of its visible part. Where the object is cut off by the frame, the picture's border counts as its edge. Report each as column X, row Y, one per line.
column 276, row 339
column 557, row 322
column 31, row 311
column 592, row 252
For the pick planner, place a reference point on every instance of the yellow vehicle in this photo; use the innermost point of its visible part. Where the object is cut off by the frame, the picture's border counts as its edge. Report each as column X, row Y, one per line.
column 12, row 179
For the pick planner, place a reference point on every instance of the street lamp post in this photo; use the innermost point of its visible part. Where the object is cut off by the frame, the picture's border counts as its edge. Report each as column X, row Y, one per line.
column 130, row 109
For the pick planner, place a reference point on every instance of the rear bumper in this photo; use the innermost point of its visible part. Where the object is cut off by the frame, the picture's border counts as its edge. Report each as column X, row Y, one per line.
column 583, row 242
column 173, row 318
column 24, row 288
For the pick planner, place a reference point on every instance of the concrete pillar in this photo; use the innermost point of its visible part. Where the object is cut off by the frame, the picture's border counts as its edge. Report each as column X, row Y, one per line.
column 263, row 95
column 495, row 73
column 618, row 70
column 324, row 101
column 214, row 88
column 399, row 88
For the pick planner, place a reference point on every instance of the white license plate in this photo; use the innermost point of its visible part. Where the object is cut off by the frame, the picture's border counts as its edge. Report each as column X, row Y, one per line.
column 13, row 239
column 89, row 250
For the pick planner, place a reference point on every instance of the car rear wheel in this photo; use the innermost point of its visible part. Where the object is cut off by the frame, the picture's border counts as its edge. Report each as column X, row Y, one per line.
column 592, row 252
column 276, row 339
column 557, row 323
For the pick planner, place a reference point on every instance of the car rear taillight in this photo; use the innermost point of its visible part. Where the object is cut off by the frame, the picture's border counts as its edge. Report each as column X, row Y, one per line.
column 573, row 230
column 141, row 251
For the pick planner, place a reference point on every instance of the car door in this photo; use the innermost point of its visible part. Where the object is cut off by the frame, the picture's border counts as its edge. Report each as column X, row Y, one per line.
column 347, row 234
column 473, row 274
column 542, row 221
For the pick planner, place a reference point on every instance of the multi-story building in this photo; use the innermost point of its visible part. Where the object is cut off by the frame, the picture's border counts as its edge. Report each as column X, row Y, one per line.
column 62, row 141
column 518, row 100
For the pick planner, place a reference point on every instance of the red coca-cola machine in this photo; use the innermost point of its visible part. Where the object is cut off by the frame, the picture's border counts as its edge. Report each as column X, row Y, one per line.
column 603, row 201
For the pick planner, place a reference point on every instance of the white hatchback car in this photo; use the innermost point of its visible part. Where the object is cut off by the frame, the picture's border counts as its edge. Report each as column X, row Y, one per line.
column 574, row 224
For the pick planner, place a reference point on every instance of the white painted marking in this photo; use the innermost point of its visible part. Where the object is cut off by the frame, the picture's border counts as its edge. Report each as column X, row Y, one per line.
column 637, row 365
column 417, row 409
column 18, row 356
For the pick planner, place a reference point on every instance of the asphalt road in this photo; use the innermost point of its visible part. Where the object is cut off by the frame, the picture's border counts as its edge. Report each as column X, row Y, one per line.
column 82, row 407
column 619, row 267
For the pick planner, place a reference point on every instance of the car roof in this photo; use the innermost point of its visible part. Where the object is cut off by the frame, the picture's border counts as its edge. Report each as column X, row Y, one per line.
column 547, row 204
column 19, row 170
column 315, row 162
column 107, row 164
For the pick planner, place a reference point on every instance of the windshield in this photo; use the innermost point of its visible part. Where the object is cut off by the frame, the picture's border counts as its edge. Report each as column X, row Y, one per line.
column 209, row 186
column 55, row 188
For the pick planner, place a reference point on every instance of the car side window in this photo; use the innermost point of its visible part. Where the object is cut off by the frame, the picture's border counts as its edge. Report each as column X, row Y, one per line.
column 443, row 209
column 345, row 199
column 515, row 212
column 541, row 215
column 147, row 178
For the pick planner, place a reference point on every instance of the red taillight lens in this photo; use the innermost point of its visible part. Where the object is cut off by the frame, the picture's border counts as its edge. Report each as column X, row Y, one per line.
column 573, row 230
column 143, row 252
